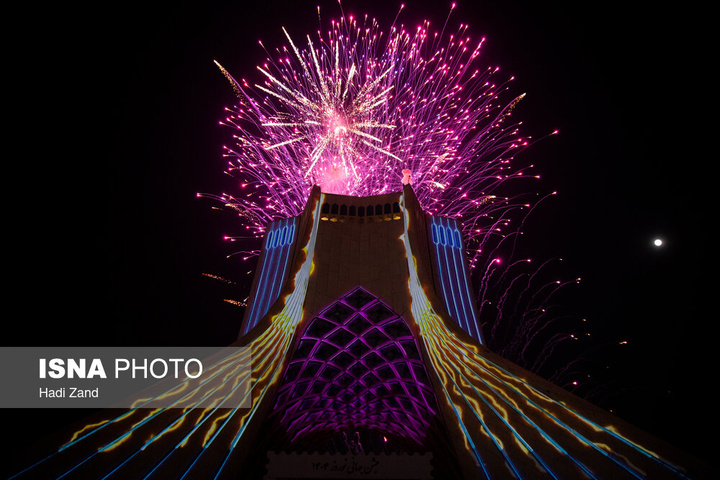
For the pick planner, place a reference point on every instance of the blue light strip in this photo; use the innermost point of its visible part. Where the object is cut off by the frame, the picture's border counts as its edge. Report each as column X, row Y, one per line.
column 453, row 278
column 278, row 245
column 443, row 250
column 453, row 239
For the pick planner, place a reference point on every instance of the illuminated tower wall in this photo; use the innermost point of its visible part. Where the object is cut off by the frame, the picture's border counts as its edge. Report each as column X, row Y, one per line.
column 362, row 322
column 359, row 244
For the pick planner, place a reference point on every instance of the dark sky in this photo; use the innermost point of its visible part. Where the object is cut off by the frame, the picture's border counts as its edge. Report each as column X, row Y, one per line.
column 118, row 131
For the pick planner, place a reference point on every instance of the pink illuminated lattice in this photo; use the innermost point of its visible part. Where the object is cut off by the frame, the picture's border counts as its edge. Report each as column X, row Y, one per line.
column 357, row 366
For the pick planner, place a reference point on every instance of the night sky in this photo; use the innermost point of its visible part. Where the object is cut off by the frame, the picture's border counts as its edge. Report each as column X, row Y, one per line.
column 117, row 128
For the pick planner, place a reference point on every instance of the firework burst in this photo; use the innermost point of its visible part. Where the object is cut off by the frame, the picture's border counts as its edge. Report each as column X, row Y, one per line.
column 359, row 112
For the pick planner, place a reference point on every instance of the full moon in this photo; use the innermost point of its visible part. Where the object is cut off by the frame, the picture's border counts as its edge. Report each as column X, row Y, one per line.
column 658, row 242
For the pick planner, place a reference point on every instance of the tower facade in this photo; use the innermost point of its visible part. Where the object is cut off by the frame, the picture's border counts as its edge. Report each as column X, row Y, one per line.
column 368, row 362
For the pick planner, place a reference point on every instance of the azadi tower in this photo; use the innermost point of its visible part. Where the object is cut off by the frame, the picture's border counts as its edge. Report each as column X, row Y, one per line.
column 367, row 362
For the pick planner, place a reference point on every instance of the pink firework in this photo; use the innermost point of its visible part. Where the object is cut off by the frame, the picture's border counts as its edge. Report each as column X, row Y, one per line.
column 360, row 112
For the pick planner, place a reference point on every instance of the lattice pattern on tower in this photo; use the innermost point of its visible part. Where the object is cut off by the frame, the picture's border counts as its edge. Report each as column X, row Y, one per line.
column 356, row 366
